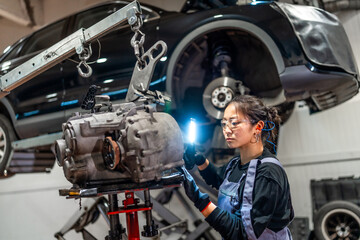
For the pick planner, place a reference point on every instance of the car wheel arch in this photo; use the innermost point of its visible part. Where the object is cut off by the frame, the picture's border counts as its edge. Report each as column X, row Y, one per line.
column 223, row 24
column 7, row 110
column 7, row 136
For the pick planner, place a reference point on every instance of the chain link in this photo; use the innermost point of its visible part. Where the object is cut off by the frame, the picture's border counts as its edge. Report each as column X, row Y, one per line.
column 84, row 56
column 137, row 42
column 138, row 46
column 86, row 53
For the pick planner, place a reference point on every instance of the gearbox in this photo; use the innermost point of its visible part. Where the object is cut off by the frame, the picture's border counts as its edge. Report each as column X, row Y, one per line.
column 128, row 142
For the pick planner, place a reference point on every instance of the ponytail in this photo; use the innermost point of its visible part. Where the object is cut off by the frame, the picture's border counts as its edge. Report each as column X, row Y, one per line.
column 274, row 120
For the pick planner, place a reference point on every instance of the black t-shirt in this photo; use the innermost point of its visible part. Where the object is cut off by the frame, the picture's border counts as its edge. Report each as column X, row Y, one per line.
column 271, row 199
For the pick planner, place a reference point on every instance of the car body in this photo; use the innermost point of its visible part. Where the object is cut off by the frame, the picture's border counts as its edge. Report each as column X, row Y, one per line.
column 266, row 49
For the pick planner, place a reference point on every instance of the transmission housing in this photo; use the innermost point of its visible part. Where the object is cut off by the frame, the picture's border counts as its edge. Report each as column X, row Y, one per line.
column 127, row 142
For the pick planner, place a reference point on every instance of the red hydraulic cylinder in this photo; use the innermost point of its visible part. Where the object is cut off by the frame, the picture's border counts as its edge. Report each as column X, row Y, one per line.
column 132, row 226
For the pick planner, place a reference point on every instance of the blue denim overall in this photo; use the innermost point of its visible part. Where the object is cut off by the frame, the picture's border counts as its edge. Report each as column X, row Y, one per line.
column 228, row 200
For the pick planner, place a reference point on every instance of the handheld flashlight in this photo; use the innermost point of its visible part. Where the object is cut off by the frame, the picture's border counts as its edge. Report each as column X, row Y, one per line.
column 191, row 135
column 192, row 131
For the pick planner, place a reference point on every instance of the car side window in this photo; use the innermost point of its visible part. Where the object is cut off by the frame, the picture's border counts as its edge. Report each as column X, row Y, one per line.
column 148, row 14
column 44, row 38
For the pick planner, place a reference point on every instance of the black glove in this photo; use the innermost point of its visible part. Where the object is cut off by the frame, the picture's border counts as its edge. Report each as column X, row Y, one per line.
column 191, row 157
column 200, row 200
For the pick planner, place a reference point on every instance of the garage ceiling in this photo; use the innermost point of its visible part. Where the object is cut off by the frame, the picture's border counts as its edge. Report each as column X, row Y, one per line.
column 18, row 11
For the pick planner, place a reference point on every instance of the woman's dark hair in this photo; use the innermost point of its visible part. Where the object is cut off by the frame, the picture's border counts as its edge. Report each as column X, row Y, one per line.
column 255, row 110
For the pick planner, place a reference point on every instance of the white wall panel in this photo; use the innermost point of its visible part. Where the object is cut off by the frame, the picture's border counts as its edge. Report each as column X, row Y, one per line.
column 351, row 23
column 329, row 135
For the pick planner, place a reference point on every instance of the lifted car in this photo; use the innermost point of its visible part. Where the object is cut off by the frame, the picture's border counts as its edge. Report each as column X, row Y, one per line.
column 277, row 51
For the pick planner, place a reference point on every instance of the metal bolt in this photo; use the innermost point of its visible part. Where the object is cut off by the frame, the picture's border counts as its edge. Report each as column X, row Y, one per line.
column 79, row 49
column 132, row 20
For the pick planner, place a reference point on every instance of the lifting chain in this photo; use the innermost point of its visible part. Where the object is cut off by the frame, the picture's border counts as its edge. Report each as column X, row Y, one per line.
column 137, row 41
column 84, row 56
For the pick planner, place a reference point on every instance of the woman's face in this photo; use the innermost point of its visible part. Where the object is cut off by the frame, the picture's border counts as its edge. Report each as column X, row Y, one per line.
column 238, row 130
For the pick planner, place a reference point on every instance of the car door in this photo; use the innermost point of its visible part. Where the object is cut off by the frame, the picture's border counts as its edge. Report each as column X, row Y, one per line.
column 37, row 103
column 113, row 57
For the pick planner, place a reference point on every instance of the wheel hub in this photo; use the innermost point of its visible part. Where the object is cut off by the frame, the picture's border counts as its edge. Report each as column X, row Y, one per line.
column 221, row 96
column 217, row 95
column 340, row 223
column 342, row 230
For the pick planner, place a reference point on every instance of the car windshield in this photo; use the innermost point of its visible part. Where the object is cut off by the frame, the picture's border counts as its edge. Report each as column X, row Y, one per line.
column 12, row 53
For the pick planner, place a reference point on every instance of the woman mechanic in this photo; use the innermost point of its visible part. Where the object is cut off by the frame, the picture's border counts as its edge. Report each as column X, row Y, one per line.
column 254, row 199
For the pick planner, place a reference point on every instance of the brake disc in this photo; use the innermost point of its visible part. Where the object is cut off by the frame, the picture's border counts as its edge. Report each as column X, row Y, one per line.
column 217, row 95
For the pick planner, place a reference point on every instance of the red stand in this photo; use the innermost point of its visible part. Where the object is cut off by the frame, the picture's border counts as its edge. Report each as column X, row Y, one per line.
column 131, row 207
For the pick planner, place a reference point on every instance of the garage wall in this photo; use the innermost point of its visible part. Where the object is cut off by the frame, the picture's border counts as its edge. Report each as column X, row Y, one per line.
column 351, row 23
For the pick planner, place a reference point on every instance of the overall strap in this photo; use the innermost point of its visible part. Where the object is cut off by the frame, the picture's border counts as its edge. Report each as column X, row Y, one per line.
column 271, row 160
column 230, row 166
column 250, row 179
column 247, row 198
column 249, row 184
column 247, row 201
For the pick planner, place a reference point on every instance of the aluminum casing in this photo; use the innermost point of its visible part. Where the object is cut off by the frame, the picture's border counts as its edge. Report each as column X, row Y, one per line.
column 149, row 143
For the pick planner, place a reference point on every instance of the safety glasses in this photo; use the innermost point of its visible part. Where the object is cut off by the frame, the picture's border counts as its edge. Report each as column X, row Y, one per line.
column 233, row 123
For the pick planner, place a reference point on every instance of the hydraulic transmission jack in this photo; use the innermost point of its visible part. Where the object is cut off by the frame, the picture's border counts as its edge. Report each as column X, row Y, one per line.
column 130, row 208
